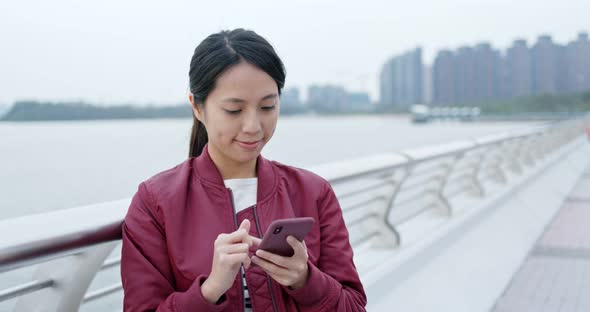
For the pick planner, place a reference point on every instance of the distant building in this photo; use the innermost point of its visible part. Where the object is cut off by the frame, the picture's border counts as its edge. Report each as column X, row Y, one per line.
column 578, row 64
column 427, row 85
column 336, row 99
column 519, row 70
column 327, row 98
column 544, row 66
column 359, row 102
column 290, row 101
column 487, row 69
column 443, row 75
column 401, row 80
column 464, row 75
column 386, row 85
column 480, row 73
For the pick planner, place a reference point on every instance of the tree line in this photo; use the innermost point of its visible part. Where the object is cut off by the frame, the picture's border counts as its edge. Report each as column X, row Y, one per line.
column 38, row 111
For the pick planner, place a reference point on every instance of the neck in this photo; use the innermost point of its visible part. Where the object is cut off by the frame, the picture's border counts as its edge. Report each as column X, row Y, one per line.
column 230, row 169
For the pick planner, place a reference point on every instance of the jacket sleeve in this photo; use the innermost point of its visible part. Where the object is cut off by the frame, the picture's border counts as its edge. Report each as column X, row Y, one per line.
column 334, row 284
column 146, row 273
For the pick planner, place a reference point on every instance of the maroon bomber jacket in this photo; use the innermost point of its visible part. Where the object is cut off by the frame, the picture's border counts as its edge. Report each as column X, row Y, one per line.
column 175, row 217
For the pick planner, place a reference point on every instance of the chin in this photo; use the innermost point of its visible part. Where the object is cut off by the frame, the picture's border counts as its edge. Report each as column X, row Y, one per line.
column 246, row 156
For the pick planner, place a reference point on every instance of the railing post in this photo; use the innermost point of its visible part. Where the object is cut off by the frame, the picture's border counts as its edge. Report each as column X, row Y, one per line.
column 441, row 200
column 387, row 229
column 496, row 166
column 513, row 155
column 72, row 277
column 541, row 143
column 527, row 157
column 389, row 237
column 477, row 188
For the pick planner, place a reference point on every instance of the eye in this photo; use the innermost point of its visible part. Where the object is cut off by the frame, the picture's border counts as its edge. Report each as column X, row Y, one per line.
column 233, row 112
column 268, row 108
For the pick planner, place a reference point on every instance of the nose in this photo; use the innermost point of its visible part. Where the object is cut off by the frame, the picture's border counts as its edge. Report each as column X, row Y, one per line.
column 251, row 124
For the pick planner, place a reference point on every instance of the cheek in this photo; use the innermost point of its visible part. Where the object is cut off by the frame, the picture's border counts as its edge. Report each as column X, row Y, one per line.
column 222, row 130
column 269, row 127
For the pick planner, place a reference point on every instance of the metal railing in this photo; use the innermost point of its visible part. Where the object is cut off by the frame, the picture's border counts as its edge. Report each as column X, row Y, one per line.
column 377, row 195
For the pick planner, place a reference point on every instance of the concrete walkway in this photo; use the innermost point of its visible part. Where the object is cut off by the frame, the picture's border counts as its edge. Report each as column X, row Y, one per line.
column 555, row 276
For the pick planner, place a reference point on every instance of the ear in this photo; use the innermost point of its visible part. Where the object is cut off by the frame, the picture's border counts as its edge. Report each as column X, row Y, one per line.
column 197, row 108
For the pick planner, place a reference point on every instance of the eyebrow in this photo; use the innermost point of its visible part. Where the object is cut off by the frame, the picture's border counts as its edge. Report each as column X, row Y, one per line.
column 237, row 100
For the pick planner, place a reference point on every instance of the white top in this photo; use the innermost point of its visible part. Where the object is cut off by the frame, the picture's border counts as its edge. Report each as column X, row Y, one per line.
column 244, row 191
column 244, row 195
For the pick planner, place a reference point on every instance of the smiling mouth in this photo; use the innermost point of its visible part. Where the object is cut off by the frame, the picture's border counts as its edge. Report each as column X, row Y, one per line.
column 249, row 145
column 249, row 142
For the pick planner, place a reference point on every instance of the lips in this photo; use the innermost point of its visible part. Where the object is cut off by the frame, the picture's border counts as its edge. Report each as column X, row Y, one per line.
column 249, row 145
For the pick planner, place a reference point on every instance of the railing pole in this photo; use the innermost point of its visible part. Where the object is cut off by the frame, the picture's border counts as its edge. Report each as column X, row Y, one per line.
column 388, row 236
column 514, row 152
column 496, row 165
column 477, row 189
column 442, row 201
column 71, row 275
column 528, row 158
column 388, row 229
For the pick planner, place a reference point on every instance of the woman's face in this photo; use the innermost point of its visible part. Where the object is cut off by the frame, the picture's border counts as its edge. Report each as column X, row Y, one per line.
column 240, row 114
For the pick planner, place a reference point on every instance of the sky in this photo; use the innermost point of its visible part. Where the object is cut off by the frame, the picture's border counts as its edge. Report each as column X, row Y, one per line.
column 138, row 52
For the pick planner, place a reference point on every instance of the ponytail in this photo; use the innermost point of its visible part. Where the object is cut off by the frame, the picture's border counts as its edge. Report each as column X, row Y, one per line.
column 198, row 138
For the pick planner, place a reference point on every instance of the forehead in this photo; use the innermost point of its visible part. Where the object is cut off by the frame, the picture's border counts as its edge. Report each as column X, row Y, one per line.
column 244, row 81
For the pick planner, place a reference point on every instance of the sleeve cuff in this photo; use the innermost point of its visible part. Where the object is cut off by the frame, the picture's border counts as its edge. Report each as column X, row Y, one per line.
column 193, row 299
column 319, row 287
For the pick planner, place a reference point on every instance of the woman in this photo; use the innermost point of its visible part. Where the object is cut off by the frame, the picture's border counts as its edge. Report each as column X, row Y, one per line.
column 191, row 232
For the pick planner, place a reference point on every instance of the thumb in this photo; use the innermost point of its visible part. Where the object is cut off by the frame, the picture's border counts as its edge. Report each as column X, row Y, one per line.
column 245, row 225
column 255, row 242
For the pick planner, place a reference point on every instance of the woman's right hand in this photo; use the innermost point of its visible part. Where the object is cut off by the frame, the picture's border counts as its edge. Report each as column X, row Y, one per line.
column 230, row 251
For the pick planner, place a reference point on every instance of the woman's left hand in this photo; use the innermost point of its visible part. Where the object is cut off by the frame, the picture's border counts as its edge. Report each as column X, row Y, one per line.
column 287, row 271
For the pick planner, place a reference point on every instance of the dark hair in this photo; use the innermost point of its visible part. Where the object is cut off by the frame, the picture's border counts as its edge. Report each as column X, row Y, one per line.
column 216, row 54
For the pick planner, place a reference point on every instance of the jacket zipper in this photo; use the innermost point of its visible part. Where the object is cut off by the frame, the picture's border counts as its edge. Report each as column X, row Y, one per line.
column 235, row 218
column 268, row 282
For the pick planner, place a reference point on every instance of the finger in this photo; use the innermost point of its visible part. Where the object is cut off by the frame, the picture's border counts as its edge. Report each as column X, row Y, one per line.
column 234, row 237
column 245, row 225
column 269, row 267
column 246, row 263
column 280, row 275
column 274, row 258
column 298, row 247
column 234, row 248
column 255, row 241
column 232, row 260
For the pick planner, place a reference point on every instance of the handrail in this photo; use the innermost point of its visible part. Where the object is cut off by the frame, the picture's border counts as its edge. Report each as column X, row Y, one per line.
column 95, row 224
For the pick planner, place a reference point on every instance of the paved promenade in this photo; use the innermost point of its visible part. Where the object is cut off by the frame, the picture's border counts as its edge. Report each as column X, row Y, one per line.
column 556, row 274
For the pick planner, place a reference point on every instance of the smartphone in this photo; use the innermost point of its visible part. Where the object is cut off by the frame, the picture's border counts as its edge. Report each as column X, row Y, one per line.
column 275, row 238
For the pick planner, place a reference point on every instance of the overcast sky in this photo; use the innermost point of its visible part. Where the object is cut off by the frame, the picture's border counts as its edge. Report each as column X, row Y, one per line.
column 113, row 52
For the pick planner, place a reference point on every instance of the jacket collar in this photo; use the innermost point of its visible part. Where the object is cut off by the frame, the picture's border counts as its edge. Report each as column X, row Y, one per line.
column 207, row 170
